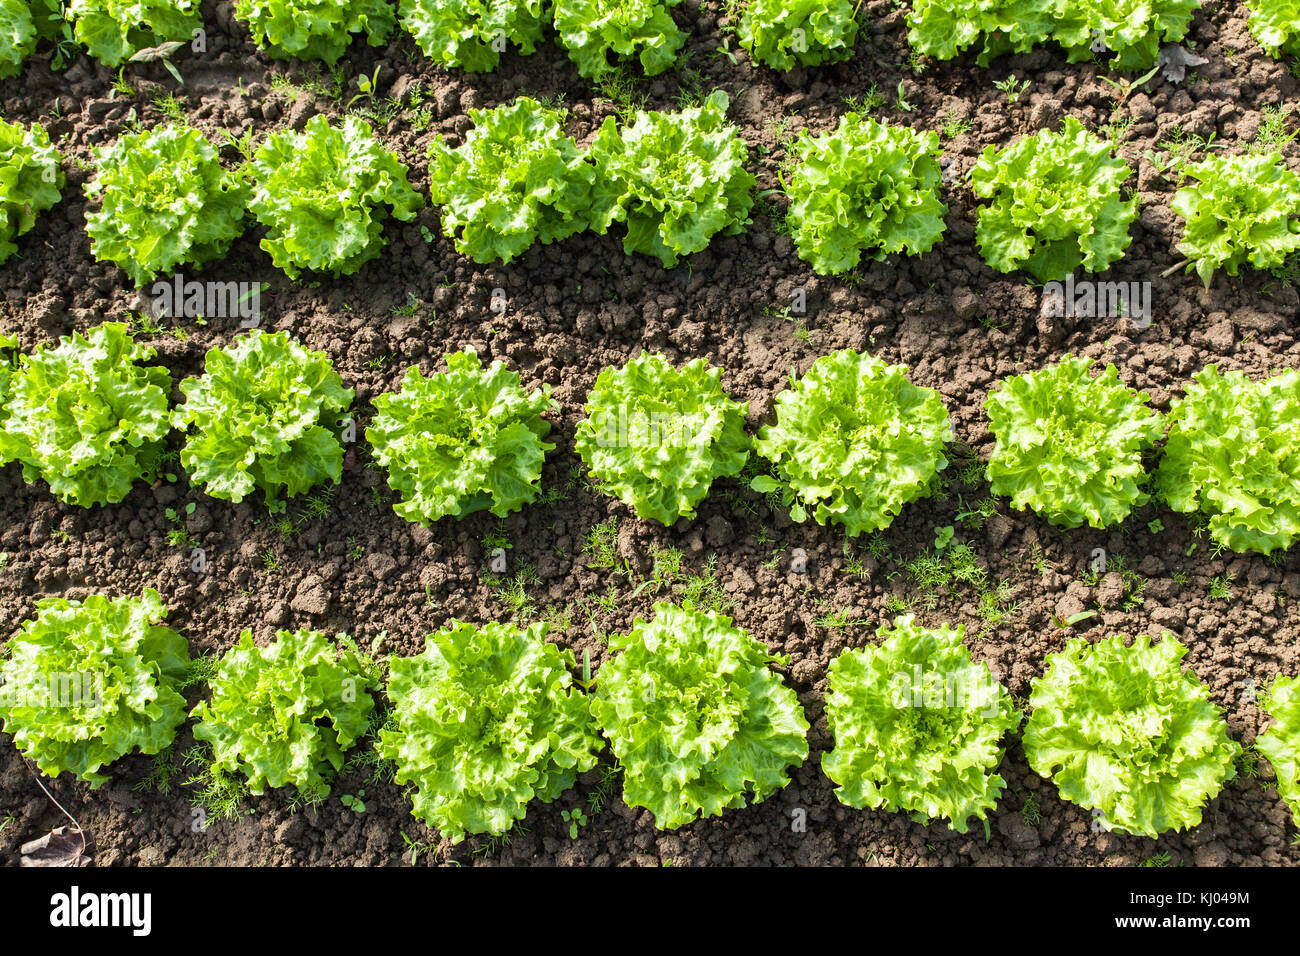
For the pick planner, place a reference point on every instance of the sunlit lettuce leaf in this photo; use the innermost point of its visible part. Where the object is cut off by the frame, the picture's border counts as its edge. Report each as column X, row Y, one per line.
column 1125, row 732
column 113, row 30
column 1280, row 743
column 696, row 717
column 1276, row 25
column 30, row 180
column 783, row 33
column 315, row 29
column 467, row 33
column 485, row 721
column 17, row 36
column 593, row 29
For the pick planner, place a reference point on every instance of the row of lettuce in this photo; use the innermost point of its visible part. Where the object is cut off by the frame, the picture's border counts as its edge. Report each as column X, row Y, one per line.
column 851, row 442
column 1053, row 203
column 489, row 719
column 600, row 35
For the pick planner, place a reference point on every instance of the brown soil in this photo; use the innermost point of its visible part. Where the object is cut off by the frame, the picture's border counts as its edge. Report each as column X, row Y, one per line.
column 581, row 305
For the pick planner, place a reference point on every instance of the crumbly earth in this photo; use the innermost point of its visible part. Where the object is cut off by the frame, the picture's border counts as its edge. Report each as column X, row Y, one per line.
column 581, row 305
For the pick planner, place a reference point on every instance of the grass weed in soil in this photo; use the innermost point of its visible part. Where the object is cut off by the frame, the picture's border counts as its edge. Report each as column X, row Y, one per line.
column 345, row 562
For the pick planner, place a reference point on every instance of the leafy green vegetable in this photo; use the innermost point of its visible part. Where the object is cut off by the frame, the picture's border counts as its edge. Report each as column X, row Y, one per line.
column 676, row 179
column 285, row 713
column 470, row 33
column 1243, row 209
column 1280, row 744
column 459, row 441
column 696, row 718
column 658, row 436
column 88, row 416
column 87, row 682
column 320, row 194
column 918, row 726
column 1055, row 204
column 1132, row 30
column 315, row 29
column 485, row 721
column 516, row 179
column 1276, row 25
column 592, row 29
column 865, row 187
column 30, row 180
column 1070, row 445
column 8, row 366
column 113, row 30
column 783, row 33
column 853, row 442
column 267, row 415
column 1233, row 454
column 17, row 36
column 166, row 201
column 1123, row 731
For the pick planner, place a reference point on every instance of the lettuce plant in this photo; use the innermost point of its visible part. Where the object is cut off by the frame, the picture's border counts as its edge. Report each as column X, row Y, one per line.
column 783, row 33
column 696, row 718
column 1233, row 455
column 285, row 713
column 30, row 180
column 469, row 33
column 463, row 440
column 113, row 30
column 267, row 415
column 485, row 721
column 321, row 195
column 918, row 726
column 1242, row 209
column 1069, row 445
column 593, row 29
column 87, row 682
column 315, row 29
column 657, row 436
column 1124, row 732
column 853, row 442
column 1055, row 204
column 1132, row 31
column 165, row 201
column 88, row 416
column 676, row 179
column 867, row 187
column 516, row 180
column 17, row 36
column 1280, row 743
column 1276, row 25
column 8, row 366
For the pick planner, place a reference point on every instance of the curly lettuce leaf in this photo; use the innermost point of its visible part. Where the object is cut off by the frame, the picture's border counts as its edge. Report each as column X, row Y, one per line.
column 676, row 179
column 266, row 416
column 87, row 682
column 917, row 726
column 1233, row 455
column 1276, row 25
column 286, row 713
column 1055, row 204
column 463, row 440
column 321, row 196
column 657, row 436
column 516, row 180
column 113, row 30
column 469, row 33
column 165, row 201
column 315, row 29
column 867, row 187
column 17, row 36
column 1070, row 445
column 1124, row 731
column 485, row 721
column 853, row 442
column 30, row 180
column 1243, row 209
column 783, row 33
column 1280, row 743
column 88, row 416
column 593, row 29
column 695, row 716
